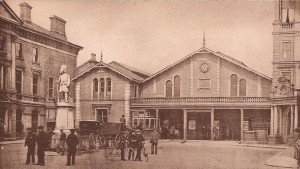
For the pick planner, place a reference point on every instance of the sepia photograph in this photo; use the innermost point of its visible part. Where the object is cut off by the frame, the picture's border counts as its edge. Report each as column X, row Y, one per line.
column 149, row 84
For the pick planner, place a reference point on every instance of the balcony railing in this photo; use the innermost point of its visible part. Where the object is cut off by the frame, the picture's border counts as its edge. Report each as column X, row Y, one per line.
column 287, row 25
column 192, row 100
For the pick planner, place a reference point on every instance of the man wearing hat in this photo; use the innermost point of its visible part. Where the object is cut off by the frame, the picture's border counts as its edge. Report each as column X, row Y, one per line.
column 72, row 142
column 41, row 140
column 30, row 143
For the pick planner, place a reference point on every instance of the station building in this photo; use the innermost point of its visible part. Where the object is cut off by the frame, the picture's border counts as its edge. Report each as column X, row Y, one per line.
column 30, row 60
column 202, row 90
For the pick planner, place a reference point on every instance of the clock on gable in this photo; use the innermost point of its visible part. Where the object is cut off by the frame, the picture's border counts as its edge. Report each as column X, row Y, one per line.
column 204, row 67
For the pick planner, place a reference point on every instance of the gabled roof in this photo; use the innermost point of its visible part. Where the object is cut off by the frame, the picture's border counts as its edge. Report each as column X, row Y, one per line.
column 206, row 50
column 133, row 70
column 11, row 12
column 118, row 69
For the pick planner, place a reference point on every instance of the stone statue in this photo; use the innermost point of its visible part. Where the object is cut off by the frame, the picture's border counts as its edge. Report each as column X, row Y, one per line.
column 64, row 83
column 284, row 88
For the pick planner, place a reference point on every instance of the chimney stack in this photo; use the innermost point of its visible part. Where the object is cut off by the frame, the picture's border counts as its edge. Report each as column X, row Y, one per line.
column 57, row 25
column 25, row 12
column 93, row 57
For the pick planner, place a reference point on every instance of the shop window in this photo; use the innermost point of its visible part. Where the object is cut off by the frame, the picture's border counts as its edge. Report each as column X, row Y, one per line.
column 242, row 88
column 286, row 50
column 35, row 55
column 35, row 79
column 177, row 86
column 102, row 115
column 169, row 88
column 233, row 85
column 95, row 88
column 108, row 90
column 19, row 51
column 19, row 79
column 102, row 84
column 146, row 119
column 51, row 85
column 2, row 42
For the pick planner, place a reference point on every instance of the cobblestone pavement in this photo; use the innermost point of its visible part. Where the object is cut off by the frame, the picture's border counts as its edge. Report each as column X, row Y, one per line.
column 173, row 155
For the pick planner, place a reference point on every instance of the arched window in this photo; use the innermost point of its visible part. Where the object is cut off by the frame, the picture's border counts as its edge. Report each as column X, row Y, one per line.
column 108, row 87
column 169, row 86
column 242, row 88
column 102, row 83
column 95, row 88
column 233, row 85
column 177, row 86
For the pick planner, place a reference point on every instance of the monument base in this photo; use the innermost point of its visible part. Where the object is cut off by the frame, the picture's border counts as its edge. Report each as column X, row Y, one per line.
column 275, row 139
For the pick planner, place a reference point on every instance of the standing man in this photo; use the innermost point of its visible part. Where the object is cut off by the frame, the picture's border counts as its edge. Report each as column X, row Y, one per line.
column 122, row 145
column 30, row 143
column 154, row 141
column 72, row 142
column 62, row 142
column 139, row 145
column 123, row 123
column 41, row 140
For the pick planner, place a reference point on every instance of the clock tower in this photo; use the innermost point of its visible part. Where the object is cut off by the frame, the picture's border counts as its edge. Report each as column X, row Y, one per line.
column 286, row 71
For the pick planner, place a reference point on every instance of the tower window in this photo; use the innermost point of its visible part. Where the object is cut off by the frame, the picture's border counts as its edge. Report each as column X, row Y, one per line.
column 286, row 50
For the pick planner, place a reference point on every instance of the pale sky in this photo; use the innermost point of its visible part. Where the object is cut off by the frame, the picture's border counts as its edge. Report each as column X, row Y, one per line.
column 152, row 34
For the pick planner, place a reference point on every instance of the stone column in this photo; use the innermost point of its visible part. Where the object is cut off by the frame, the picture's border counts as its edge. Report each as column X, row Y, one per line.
column 280, row 120
column 296, row 117
column 13, row 63
column 292, row 119
column 77, row 105
column 276, row 130
column 184, row 124
column 156, row 119
column 242, row 121
column 13, row 121
column 272, row 121
column 212, row 118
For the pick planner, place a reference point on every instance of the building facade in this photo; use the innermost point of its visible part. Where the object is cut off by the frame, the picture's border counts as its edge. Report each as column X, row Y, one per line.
column 30, row 60
column 200, row 92
column 286, row 71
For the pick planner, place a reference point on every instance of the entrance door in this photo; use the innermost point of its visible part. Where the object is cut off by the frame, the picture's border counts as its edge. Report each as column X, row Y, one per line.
column 198, row 125
column 230, row 124
column 34, row 120
column 2, row 122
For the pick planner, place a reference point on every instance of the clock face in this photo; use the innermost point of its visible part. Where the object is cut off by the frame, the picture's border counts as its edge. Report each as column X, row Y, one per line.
column 204, row 68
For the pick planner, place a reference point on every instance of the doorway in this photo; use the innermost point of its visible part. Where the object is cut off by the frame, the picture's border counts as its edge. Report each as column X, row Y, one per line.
column 198, row 125
column 229, row 123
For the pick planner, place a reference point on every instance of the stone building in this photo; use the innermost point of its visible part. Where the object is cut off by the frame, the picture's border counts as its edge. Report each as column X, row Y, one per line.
column 286, row 71
column 199, row 92
column 30, row 60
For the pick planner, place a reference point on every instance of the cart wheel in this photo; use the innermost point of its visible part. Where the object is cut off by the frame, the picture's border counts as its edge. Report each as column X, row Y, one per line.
column 110, row 153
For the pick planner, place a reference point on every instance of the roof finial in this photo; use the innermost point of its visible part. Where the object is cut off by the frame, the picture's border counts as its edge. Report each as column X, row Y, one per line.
column 203, row 39
column 101, row 57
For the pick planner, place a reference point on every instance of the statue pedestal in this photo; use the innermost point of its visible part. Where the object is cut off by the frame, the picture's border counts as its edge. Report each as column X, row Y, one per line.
column 64, row 120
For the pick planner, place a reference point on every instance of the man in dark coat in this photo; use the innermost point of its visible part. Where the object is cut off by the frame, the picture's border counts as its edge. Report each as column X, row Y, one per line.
column 139, row 145
column 30, row 143
column 131, row 144
column 72, row 142
column 41, row 140
column 122, row 145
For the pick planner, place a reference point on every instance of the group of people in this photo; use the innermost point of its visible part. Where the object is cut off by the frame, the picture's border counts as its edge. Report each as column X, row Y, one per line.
column 41, row 140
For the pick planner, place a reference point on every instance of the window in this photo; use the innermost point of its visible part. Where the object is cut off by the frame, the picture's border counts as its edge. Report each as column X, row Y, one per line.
column 233, row 85
column 19, row 78
column 147, row 119
column 287, row 12
column 35, row 55
column 95, row 88
column 136, row 91
column 19, row 50
column 177, row 86
column 2, row 42
column 102, row 84
column 108, row 90
column 286, row 50
column 102, row 115
column 242, row 88
column 204, row 83
column 19, row 124
column 50, row 87
column 169, row 89
column 35, row 79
